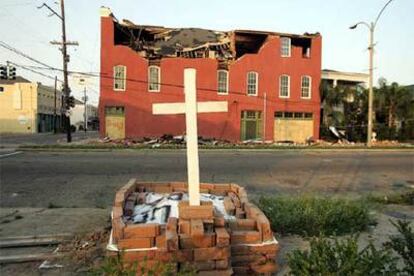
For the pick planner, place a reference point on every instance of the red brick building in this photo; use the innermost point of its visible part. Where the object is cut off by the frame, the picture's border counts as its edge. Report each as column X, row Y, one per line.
column 270, row 80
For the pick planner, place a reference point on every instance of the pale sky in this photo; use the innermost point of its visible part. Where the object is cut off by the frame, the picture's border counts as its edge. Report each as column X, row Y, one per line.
column 29, row 29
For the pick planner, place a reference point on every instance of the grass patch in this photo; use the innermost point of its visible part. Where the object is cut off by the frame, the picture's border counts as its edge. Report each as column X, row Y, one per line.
column 312, row 216
column 118, row 266
column 406, row 198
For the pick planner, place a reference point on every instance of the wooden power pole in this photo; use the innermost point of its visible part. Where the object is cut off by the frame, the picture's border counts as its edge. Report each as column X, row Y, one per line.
column 64, row 44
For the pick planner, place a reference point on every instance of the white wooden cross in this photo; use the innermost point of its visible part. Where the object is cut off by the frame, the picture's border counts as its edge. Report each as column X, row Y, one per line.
column 190, row 108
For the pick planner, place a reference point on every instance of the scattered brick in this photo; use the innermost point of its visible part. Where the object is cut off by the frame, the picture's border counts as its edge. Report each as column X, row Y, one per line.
column 184, row 226
column 222, row 237
column 196, row 228
column 205, row 265
column 204, row 211
column 129, row 208
column 219, row 221
column 133, row 256
column 117, row 212
column 148, row 230
column 242, row 260
column 264, row 227
column 268, row 267
column 160, row 241
column 229, row 206
column 172, row 224
column 245, row 237
column 136, row 243
column 171, row 240
column 243, row 249
column 240, row 213
column 227, row 272
column 212, row 253
column 243, row 224
column 117, row 229
column 222, row 264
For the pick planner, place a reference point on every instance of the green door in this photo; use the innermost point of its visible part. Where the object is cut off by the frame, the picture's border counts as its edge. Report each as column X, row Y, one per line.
column 251, row 125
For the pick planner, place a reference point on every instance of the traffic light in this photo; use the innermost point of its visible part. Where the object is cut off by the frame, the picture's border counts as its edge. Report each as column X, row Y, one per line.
column 71, row 102
column 3, row 72
column 12, row 73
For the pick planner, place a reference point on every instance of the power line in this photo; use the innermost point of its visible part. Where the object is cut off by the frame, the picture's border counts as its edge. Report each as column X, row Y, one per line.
column 12, row 49
column 34, row 71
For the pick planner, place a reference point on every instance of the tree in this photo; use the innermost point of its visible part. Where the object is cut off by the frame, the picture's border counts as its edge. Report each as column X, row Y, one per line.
column 393, row 104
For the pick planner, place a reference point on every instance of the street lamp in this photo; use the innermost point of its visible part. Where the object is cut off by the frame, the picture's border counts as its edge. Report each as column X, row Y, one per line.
column 371, row 46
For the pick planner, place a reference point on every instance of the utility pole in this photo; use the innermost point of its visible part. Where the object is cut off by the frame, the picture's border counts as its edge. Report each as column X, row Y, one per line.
column 264, row 116
column 371, row 47
column 85, row 111
column 54, row 112
column 64, row 43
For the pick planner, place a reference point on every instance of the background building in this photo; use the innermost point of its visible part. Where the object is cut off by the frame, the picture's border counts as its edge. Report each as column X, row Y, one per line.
column 78, row 112
column 28, row 107
column 270, row 81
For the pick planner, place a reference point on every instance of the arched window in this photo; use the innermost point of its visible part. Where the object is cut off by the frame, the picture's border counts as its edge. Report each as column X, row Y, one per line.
column 119, row 78
column 154, row 79
column 252, row 83
column 306, row 87
column 284, row 86
column 222, row 82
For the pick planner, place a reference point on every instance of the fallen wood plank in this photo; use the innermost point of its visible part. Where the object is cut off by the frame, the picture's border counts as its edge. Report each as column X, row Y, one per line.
column 63, row 236
column 29, row 242
column 29, row 258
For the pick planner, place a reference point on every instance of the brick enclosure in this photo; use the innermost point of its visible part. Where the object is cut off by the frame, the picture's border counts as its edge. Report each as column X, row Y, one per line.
column 200, row 236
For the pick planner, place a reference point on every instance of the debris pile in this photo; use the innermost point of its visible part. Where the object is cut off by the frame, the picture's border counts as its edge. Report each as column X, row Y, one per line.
column 226, row 234
column 157, row 42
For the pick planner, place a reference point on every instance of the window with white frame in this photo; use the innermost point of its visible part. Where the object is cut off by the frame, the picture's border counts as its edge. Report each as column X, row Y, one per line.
column 252, row 83
column 222, row 82
column 285, row 46
column 306, row 87
column 119, row 78
column 284, row 86
column 154, row 79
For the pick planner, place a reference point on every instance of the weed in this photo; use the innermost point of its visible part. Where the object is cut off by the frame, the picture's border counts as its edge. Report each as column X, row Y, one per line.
column 310, row 216
column 335, row 257
column 406, row 198
column 403, row 245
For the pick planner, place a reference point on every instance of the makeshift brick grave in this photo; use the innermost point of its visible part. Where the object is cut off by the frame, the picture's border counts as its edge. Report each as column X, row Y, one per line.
column 224, row 235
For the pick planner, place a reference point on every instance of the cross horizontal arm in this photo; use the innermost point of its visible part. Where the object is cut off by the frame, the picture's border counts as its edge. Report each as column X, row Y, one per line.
column 179, row 108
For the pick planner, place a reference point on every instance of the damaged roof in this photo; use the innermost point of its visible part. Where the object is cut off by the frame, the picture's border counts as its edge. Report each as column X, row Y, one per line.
column 155, row 42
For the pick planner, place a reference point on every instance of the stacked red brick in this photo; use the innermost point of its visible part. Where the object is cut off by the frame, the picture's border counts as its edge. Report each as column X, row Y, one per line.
column 200, row 236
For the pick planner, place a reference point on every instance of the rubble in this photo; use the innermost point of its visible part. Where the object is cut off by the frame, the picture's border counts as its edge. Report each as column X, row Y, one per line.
column 170, row 141
column 156, row 42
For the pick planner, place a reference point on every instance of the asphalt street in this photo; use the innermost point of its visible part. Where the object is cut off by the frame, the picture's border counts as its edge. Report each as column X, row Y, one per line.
column 90, row 179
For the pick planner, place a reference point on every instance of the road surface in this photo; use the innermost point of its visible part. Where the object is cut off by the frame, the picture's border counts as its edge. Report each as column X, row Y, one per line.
column 90, row 179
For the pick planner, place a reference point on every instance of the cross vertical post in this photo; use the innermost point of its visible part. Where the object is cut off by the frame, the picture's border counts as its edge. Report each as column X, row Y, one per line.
column 193, row 170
